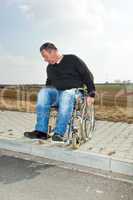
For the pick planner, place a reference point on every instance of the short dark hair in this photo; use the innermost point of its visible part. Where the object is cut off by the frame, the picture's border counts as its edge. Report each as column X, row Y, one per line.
column 48, row 46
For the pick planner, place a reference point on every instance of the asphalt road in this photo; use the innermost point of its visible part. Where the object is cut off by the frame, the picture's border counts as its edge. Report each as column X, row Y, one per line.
column 28, row 180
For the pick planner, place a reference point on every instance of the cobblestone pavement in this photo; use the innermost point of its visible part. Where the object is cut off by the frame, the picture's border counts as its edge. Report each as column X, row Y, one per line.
column 109, row 138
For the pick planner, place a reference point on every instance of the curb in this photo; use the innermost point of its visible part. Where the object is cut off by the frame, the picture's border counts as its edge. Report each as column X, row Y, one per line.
column 87, row 159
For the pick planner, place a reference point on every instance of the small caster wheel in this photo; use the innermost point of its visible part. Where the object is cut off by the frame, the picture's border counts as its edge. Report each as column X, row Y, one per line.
column 75, row 142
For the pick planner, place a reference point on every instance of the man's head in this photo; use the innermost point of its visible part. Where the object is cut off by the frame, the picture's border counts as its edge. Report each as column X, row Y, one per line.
column 49, row 52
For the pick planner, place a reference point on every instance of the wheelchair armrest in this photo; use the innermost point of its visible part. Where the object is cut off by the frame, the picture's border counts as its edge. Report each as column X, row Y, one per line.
column 82, row 90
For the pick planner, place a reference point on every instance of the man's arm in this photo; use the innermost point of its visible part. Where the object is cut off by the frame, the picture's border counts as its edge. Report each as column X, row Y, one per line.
column 48, row 81
column 86, row 75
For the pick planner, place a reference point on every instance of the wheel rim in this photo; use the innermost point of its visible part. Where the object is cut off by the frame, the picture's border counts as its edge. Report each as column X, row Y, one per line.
column 83, row 111
column 89, row 121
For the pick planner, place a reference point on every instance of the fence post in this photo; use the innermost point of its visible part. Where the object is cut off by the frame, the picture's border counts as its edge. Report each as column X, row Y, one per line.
column 129, row 89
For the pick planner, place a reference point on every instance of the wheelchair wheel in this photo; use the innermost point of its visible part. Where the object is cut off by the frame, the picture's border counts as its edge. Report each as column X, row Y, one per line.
column 76, row 132
column 75, row 141
column 89, row 121
column 81, row 129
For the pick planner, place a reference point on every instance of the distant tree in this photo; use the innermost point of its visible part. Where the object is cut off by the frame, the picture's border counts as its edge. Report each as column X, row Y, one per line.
column 126, row 81
column 117, row 81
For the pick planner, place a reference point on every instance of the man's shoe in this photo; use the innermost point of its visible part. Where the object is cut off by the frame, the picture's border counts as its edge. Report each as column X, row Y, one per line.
column 43, row 135
column 36, row 135
column 57, row 137
column 32, row 134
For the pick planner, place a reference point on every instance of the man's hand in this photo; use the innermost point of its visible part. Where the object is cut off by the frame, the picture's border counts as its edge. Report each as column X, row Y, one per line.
column 90, row 100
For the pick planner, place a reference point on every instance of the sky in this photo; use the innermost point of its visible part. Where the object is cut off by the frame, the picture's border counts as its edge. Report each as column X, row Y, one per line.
column 98, row 31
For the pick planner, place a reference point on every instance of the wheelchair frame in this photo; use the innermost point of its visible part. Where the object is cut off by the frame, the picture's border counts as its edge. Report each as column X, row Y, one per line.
column 81, row 131
column 81, row 125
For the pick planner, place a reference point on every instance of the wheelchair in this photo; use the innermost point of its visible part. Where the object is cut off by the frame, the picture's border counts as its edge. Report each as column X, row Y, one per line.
column 81, row 125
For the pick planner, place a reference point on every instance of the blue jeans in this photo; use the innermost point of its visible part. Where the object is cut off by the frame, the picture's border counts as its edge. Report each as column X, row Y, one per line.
column 64, row 99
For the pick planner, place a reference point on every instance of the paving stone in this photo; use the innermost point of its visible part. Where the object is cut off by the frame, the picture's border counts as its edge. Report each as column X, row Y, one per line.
column 114, row 138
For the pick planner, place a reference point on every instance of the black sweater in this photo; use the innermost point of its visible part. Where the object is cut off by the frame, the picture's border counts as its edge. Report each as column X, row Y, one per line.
column 71, row 72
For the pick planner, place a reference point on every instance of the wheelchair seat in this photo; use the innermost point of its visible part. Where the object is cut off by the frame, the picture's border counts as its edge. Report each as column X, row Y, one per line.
column 82, row 99
column 55, row 106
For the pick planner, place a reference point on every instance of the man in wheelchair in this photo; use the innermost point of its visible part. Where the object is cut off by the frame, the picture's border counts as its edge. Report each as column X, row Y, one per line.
column 65, row 73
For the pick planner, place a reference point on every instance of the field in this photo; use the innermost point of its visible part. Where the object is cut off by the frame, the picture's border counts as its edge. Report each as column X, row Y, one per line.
column 113, row 102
